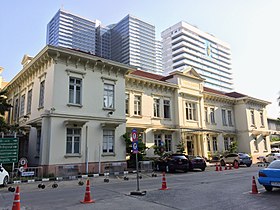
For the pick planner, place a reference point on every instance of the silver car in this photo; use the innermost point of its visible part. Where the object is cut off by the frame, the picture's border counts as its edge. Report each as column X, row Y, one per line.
column 4, row 176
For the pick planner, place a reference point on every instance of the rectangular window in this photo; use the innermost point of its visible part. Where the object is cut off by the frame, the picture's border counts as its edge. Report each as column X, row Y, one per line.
column 264, row 143
column 166, row 108
column 29, row 101
column 208, row 144
column 73, row 140
column 127, row 103
column 190, row 111
column 156, row 107
column 109, row 96
column 168, row 140
column 137, row 105
column 229, row 118
column 108, row 141
column 157, row 140
column 42, row 93
column 16, row 106
column 261, row 116
column 215, row 146
column 206, row 114
column 256, row 144
column 224, row 119
column 75, row 90
column 22, row 105
column 252, row 117
column 212, row 115
column 226, row 144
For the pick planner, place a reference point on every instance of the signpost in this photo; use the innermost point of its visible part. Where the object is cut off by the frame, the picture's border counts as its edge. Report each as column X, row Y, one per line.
column 8, row 150
column 135, row 151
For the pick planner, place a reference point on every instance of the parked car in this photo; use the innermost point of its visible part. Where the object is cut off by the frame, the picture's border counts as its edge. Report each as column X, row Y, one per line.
column 270, row 177
column 172, row 163
column 4, row 176
column 196, row 162
column 271, row 157
column 240, row 158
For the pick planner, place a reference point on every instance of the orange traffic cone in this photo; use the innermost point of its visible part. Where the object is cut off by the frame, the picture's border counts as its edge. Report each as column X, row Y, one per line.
column 16, row 204
column 87, row 198
column 217, row 169
column 221, row 168
column 25, row 166
column 254, row 187
column 230, row 167
column 164, row 185
column 235, row 165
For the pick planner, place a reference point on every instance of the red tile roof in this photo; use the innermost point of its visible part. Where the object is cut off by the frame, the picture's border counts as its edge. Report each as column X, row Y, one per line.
column 148, row 75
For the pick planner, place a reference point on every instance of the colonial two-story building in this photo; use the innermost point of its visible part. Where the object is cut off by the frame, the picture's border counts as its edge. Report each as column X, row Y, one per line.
column 75, row 107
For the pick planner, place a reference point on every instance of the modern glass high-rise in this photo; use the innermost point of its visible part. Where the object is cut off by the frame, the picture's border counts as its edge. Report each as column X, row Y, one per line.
column 133, row 43
column 68, row 30
column 186, row 45
column 158, row 49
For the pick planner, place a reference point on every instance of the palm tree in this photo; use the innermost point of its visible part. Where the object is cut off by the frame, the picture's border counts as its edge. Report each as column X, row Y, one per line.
column 4, row 106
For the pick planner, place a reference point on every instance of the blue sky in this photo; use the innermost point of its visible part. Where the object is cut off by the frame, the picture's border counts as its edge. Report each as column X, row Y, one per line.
column 251, row 28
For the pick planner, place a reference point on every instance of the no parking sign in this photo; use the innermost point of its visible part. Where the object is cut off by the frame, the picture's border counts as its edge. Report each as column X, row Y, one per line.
column 134, row 141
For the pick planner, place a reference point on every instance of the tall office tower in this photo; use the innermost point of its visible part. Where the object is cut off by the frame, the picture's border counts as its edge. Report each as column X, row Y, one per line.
column 158, row 48
column 72, row 31
column 186, row 45
column 133, row 43
column 103, row 41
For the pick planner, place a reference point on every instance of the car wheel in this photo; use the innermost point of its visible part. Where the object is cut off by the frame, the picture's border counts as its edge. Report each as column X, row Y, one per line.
column 223, row 163
column 202, row 169
column 248, row 165
column 5, row 181
column 268, row 188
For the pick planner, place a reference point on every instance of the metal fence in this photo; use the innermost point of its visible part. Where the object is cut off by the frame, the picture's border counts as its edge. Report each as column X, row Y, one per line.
column 29, row 173
column 146, row 166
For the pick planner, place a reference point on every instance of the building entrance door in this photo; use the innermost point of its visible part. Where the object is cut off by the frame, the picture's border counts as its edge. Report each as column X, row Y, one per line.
column 190, row 147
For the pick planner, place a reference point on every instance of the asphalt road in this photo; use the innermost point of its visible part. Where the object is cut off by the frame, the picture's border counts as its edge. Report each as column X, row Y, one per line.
column 193, row 190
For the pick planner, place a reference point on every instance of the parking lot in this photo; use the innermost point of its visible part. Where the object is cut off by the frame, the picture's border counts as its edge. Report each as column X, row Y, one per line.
column 227, row 189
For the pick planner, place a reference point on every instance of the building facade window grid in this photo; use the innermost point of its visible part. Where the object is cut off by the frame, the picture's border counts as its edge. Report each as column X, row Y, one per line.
column 29, row 101
column 226, row 143
column 156, row 107
column 206, row 114
column 214, row 141
column 212, row 115
column 22, row 105
column 190, row 111
column 42, row 94
column 166, row 108
column 137, row 105
column 168, row 142
column 256, row 144
column 229, row 113
column 109, row 96
column 127, row 103
column 108, row 141
column 73, row 140
column 261, row 118
column 75, row 89
column 224, row 119
column 252, row 117
column 157, row 140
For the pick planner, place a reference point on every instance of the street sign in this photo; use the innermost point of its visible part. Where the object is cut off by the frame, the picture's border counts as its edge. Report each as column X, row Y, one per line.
column 134, row 135
column 8, row 150
column 135, row 147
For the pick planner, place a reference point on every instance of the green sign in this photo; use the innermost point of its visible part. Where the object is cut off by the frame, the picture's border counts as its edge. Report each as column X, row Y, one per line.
column 8, row 150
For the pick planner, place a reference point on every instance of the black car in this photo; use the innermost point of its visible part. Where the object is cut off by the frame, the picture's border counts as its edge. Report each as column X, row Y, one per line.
column 172, row 163
column 196, row 162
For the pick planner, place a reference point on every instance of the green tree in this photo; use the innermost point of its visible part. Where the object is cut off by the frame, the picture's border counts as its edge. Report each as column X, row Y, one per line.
column 4, row 106
column 233, row 147
column 180, row 147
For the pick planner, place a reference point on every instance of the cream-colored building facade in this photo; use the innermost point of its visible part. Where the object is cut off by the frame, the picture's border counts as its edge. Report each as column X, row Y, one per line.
column 75, row 108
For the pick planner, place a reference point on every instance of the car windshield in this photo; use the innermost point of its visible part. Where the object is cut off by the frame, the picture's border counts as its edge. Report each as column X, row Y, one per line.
column 179, row 157
column 243, row 155
column 275, row 164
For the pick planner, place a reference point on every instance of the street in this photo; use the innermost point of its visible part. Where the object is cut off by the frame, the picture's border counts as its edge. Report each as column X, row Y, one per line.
column 227, row 189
